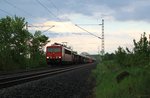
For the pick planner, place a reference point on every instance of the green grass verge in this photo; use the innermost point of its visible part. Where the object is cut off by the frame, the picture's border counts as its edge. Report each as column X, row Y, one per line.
column 136, row 85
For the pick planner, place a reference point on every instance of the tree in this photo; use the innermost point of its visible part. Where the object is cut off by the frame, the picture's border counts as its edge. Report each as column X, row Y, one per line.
column 108, row 56
column 19, row 48
column 120, row 56
column 36, row 48
column 142, row 46
column 13, row 42
column 138, row 57
column 142, row 50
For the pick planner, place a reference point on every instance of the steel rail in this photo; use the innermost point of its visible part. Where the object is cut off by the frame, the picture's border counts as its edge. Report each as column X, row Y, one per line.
column 26, row 77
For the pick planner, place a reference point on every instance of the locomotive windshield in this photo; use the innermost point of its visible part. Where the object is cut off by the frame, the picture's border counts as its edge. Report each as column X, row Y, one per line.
column 53, row 49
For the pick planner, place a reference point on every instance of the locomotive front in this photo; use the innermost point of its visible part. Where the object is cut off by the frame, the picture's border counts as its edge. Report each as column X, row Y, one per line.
column 54, row 54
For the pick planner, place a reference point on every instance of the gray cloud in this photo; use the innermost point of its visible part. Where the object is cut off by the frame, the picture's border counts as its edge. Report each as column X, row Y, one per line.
column 33, row 10
column 119, row 8
column 54, row 35
column 141, row 13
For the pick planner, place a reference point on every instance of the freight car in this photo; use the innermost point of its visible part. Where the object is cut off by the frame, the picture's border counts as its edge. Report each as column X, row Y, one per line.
column 59, row 54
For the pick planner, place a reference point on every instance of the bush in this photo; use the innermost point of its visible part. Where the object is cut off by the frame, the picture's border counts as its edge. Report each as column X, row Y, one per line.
column 135, row 63
column 16, row 43
column 136, row 85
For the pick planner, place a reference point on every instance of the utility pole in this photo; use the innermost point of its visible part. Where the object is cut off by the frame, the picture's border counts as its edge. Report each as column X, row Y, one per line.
column 103, row 43
column 27, row 26
column 149, row 38
column 102, row 35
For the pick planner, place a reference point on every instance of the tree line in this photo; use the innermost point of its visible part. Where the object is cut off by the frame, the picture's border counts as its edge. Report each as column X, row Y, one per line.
column 20, row 49
column 138, row 56
column 125, row 73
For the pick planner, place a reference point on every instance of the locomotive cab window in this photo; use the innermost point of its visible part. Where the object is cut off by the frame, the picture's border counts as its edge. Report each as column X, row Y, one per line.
column 67, row 51
column 54, row 49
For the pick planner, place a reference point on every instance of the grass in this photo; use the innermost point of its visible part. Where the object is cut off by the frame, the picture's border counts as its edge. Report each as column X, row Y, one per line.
column 136, row 85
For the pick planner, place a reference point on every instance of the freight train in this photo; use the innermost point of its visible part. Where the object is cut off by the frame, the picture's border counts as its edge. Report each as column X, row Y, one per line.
column 59, row 54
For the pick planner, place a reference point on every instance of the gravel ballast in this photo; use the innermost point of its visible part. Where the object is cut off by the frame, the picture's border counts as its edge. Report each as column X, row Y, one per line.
column 72, row 84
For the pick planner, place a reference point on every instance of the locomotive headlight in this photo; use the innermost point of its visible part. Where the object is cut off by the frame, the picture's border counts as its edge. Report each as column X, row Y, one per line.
column 59, row 57
column 47, row 57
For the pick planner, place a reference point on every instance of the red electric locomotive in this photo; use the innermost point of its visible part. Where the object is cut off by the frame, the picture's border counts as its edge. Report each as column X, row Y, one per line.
column 59, row 54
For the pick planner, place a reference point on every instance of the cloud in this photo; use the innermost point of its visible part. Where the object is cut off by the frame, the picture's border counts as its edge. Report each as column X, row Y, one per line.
column 122, row 10
column 51, row 35
column 79, row 43
column 62, row 27
column 125, row 20
column 135, row 11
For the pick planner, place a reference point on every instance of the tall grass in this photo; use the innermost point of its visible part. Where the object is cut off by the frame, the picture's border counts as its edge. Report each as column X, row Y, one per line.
column 136, row 85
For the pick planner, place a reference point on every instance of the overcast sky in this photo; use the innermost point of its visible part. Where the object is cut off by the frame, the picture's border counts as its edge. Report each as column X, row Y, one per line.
column 125, row 20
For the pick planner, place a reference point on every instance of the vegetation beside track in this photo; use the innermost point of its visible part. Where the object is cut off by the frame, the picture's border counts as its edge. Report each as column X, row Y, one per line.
column 125, row 74
column 20, row 49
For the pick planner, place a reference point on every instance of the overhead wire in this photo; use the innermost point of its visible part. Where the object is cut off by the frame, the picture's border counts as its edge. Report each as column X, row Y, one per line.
column 48, row 28
column 60, row 19
column 18, row 8
column 22, row 10
column 76, row 24
column 39, row 26
column 48, row 10
column 6, row 12
column 54, row 5
column 88, row 31
column 51, row 13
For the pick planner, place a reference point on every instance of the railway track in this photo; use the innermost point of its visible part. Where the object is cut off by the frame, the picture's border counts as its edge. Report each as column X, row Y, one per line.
column 15, row 79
